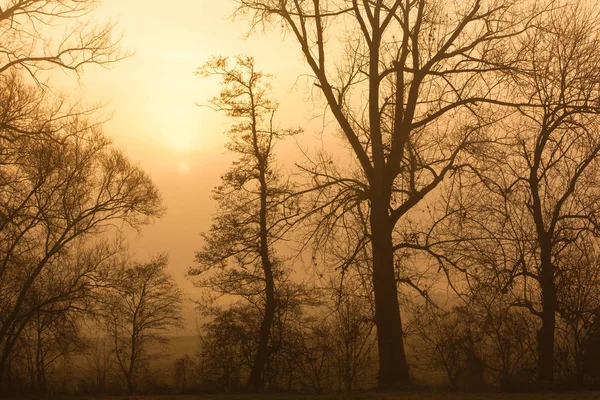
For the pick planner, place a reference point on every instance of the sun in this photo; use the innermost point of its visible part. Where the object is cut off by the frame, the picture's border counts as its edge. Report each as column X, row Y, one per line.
column 179, row 128
column 181, row 134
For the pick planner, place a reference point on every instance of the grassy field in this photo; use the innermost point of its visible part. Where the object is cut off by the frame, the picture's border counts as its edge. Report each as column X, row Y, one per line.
column 360, row 396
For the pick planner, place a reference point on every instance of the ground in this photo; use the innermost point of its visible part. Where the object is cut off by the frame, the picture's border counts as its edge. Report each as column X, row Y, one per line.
column 360, row 396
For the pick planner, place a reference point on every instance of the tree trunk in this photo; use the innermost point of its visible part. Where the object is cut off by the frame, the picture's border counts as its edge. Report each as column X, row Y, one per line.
column 256, row 378
column 393, row 367
column 546, row 332
column 579, row 371
column 2, row 377
column 4, row 356
column 130, row 384
column 132, row 362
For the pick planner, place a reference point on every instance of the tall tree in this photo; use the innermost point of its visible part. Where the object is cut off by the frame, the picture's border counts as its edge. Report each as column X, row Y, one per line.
column 559, row 150
column 254, row 210
column 538, row 199
column 411, row 90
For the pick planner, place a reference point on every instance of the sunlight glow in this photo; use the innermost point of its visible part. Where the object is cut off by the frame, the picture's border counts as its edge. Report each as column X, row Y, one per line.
column 179, row 128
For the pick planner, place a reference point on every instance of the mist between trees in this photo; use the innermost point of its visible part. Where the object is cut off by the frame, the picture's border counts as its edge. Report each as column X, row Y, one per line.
column 456, row 245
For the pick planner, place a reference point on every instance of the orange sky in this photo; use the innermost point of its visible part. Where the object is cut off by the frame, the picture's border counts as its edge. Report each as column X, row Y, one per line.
column 155, row 120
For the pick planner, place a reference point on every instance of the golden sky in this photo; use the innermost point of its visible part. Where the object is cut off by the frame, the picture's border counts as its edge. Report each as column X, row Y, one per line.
column 152, row 98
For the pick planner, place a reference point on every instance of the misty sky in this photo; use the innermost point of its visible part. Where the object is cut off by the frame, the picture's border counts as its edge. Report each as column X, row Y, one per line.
column 151, row 97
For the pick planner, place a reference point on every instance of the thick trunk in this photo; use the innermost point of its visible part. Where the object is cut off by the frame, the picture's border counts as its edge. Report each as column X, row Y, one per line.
column 393, row 367
column 548, row 315
column 130, row 389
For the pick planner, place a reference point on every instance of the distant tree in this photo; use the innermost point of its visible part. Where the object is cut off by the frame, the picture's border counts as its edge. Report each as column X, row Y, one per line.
column 100, row 359
column 48, row 339
column 453, row 343
column 254, row 210
column 410, row 84
column 184, row 372
column 578, row 297
column 228, row 343
column 144, row 305
column 295, row 302
column 352, row 325
column 313, row 355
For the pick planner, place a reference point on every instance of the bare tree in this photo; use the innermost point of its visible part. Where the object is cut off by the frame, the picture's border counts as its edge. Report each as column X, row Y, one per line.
column 59, row 190
column 254, row 207
column 228, row 344
column 411, row 91
column 48, row 339
column 28, row 31
column 184, row 370
column 578, row 298
column 100, row 358
column 561, row 156
column 538, row 196
column 353, row 339
column 139, row 310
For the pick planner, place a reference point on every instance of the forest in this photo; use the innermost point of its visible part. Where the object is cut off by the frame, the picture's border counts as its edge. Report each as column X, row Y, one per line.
column 448, row 239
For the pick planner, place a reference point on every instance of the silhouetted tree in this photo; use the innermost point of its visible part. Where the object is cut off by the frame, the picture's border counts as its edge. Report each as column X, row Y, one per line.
column 410, row 92
column 144, row 305
column 227, row 344
column 353, row 339
column 254, row 210
column 453, row 343
column 561, row 154
column 541, row 195
column 591, row 354
column 100, row 358
column 47, row 340
column 28, row 36
column 61, row 182
column 184, row 372
column 59, row 191
column 578, row 298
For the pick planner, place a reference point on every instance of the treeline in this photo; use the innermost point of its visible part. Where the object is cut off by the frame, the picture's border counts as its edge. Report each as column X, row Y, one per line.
column 453, row 243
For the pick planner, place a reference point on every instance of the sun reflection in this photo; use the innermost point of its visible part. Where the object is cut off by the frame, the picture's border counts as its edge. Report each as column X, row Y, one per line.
column 184, row 166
